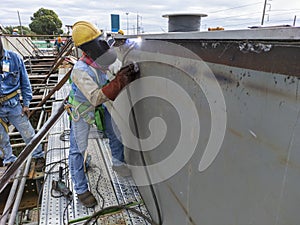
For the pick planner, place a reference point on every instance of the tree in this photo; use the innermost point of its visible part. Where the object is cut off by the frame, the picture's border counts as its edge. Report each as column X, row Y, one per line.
column 26, row 30
column 45, row 21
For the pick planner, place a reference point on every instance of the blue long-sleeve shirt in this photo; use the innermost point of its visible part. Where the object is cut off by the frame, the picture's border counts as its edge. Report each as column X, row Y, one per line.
column 16, row 78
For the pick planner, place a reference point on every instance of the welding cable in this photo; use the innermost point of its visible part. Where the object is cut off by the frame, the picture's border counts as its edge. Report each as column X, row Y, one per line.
column 42, row 187
column 144, row 161
column 97, row 186
column 55, row 196
column 116, row 209
column 59, row 196
column 149, row 179
column 65, row 210
column 58, row 148
column 158, row 210
column 62, row 161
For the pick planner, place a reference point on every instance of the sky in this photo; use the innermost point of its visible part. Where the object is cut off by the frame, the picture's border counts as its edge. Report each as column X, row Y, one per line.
column 147, row 14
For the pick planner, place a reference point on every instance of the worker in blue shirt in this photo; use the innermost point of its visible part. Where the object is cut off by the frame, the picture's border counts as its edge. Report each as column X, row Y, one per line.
column 58, row 44
column 13, row 77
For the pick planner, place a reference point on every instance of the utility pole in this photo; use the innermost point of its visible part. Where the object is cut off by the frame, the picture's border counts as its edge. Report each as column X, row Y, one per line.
column 264, row 12
column 137, row 23
column 20, row 22
column 294, row 23
column 127, row 23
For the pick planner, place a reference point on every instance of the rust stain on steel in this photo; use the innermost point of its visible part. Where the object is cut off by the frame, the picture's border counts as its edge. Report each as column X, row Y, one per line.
column 236, row 133
column 181, row 205
column 229, row 53
column 285, row 162
column 274, row 91
column 238, row 83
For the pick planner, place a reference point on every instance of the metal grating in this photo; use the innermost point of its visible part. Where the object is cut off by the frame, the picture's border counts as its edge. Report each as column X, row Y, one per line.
column 108, row 188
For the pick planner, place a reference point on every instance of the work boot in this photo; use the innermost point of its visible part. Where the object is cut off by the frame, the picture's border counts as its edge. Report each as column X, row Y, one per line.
column 122, row 170
column 87, row 199
column 39, row 164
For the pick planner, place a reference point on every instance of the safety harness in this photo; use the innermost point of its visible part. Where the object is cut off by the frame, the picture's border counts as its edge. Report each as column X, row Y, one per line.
column 7, row 97
column 4, row 125
column 3, row 99
column 82, row 109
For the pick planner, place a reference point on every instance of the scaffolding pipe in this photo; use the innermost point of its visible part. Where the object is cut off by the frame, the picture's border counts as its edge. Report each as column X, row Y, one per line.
column 33, row 46
column 13, row 46
column 56, row 88
column 40, row 108
column 42, row 86
column 48, row 101
column 57, row 63
column 36, row 140
column 24, row 47
column 18, row 199
column 10, row 199
column 23, row 144
column 11, row 134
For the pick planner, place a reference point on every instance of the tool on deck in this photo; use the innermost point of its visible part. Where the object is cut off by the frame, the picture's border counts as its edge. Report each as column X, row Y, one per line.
column 60, row 185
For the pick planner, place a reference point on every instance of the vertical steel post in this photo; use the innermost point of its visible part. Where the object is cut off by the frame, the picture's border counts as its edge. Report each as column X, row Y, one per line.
column 264, row 12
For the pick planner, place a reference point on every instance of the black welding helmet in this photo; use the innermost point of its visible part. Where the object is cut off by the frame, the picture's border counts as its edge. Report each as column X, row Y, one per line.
column 100, row 51
column 93, row 42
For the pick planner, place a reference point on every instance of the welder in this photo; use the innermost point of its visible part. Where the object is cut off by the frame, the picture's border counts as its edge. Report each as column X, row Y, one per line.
column 89, row 90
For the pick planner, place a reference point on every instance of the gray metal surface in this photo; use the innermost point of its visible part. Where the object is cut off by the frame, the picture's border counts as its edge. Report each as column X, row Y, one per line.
column 103, row 181
column 271, row 33
column 255, row 177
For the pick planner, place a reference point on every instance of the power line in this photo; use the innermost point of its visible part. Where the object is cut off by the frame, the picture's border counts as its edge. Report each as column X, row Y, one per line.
column 285, row 10
column 241, row 24
column 279, row 14
column 235, row 16
column 237, row 7
column 239, row 17
column 250, row 22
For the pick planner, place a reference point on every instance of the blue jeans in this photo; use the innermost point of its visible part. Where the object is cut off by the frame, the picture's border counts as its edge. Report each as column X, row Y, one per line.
column 13, row 115
column 79, row 143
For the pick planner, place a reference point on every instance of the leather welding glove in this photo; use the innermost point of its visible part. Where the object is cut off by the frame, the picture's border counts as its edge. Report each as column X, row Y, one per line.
column 126, row 75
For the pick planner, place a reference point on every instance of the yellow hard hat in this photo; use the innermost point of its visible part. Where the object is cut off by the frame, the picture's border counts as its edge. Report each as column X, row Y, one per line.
column 121, row 32
column 83, row 32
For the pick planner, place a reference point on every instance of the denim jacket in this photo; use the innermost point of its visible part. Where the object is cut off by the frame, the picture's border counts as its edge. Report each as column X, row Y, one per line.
column 16, row 78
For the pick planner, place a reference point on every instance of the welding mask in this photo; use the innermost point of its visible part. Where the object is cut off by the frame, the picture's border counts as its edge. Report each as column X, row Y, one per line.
column 100, row 50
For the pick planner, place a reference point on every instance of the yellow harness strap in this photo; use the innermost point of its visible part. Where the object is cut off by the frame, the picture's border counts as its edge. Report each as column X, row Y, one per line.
column 7, row 97
column 4, row 125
